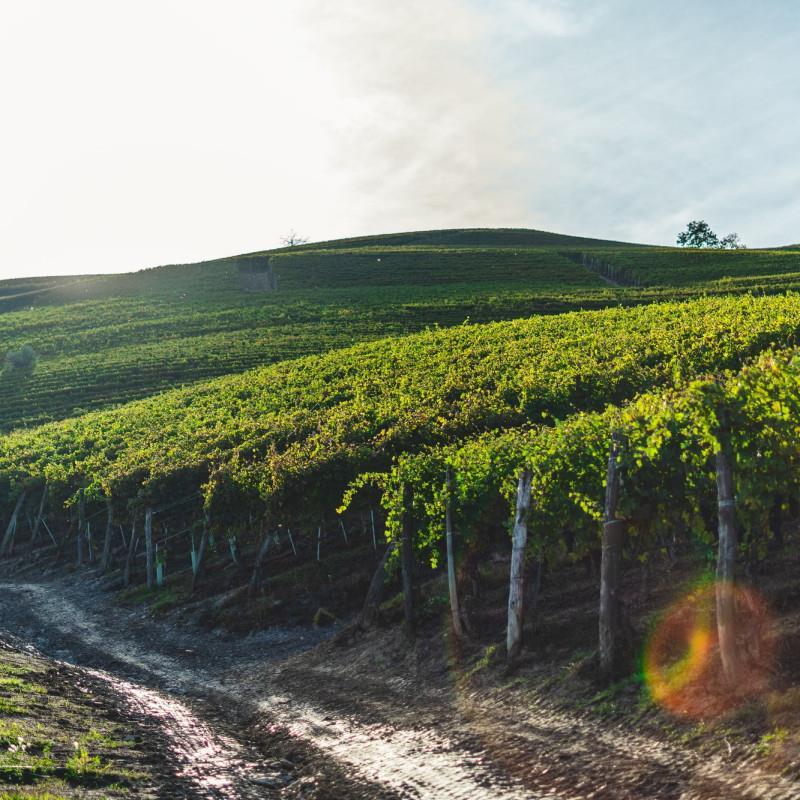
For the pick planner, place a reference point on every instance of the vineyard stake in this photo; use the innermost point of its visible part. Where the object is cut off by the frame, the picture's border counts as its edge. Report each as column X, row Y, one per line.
column 726, row 554
column 148, row 543
column 47, row 528
column 372, row 602
column 200, row 553
column 105, row 559
column 610, row 622
column 407, row 558
column 516, row 594
column 39, row 515
column 255, row 580
column 126, row 579
column 451, row 561
column 12, row 525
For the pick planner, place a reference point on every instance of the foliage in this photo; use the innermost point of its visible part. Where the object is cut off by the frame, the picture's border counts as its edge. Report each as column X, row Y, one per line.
column 698, row 233
column 669, row 439
column 22, row 359
column 289, row 437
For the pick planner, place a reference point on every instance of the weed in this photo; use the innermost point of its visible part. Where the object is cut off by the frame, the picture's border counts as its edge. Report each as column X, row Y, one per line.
column 81, row 765
column 769, row 740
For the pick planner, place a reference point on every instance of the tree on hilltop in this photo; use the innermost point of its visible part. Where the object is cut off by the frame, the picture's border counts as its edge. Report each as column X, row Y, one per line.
column 698, row 233
column 293, row 239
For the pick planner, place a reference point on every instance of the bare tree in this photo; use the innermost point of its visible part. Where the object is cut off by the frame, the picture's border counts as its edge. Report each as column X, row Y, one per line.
column 293, row 239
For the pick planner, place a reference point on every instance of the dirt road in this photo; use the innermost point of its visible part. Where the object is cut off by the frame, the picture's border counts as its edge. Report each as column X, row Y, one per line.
column 222, row 700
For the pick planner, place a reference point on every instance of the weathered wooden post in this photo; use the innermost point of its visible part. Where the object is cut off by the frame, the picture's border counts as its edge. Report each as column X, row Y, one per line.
column 37, row 525
column 519, row 540
column 105, row 558
column 8, row 538
column 407, row 558
column 201, row 552
column 726, row 554
column 372, row 602
column 81, row 531
column 610, row 627
column 263, row 549
column 452, row 584
column 132, row 542
column 148, row 543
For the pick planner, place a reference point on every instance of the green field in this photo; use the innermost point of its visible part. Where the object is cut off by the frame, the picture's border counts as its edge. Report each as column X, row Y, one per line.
column 106, row 340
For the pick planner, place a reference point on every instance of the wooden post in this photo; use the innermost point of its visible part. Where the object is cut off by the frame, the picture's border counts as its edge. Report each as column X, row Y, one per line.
column 407, row 558
column 39, row 517
column 81, row 532
column 148, row 543
column 201, row 551
column 8, row 539
column 519, row 541
column 126, row 577
column 372, row 602
column 105, row 558
column 726, row 555
column 255, row 581
column 451, row 559
column 89, row 542
column 610, row 623
column 50, row 533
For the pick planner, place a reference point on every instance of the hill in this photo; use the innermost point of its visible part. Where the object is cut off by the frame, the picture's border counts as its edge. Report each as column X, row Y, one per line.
column 108, row 339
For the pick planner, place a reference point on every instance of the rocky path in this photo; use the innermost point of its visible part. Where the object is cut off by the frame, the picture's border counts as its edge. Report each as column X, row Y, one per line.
column 385, row 738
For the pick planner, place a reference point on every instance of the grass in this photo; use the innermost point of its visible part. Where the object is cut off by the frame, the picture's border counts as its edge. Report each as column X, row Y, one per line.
column 59, row 743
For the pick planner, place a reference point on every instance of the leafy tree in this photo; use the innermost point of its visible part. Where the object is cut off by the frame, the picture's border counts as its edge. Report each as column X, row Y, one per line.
column 698, row 233
column 731, row 242
column 23, row 359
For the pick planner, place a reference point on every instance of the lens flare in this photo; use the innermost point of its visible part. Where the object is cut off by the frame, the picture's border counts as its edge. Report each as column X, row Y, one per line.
column 682, row 664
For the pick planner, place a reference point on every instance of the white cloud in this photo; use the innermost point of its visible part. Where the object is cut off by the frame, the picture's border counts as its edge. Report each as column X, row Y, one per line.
column 522, row 19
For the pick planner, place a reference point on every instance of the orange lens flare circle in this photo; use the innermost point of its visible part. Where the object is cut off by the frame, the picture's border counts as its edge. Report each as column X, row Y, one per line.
column 682, row 664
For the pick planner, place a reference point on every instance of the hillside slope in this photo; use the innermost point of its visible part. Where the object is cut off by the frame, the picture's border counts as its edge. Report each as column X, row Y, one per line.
column 108, row 339
column 299, row 430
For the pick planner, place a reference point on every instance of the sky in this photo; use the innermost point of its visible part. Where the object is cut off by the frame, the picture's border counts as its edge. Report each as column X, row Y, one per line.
column 141, row 133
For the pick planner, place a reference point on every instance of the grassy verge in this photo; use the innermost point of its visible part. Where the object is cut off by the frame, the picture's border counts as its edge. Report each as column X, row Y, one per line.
column 59, row 739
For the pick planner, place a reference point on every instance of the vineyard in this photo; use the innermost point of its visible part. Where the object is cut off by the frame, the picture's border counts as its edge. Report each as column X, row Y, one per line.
column 400, row 399
column 105, row 340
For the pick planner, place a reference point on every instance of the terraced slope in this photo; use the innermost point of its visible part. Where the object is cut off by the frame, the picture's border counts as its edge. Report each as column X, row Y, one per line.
column 711, row 270
column 108, row 339
column 292, row 434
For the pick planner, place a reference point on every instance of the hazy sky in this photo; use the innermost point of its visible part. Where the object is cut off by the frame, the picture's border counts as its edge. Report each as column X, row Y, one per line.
column 158, row 131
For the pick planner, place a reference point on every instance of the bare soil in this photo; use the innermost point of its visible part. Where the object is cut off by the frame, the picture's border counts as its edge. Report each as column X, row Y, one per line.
column 308, row 713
